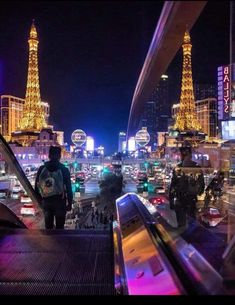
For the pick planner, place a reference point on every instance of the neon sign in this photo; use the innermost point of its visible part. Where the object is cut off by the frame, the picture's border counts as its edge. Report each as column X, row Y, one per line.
column 226, row 91
column 224, row 94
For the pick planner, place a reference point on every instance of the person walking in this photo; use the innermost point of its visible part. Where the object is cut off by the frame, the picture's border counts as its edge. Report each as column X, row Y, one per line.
column 186, row 184
column 214, row 189
column 93, row 205
column 80, row 208
column 54, row 190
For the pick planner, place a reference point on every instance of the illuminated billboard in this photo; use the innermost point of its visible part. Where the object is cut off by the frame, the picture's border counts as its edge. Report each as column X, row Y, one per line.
column 142, row 137
column 131, row 144
column 228, row 130
column 124, row 145
column 78, row 137
column 89, row 144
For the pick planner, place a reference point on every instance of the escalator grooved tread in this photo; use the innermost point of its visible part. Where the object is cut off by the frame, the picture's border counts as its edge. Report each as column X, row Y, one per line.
column 56, row 263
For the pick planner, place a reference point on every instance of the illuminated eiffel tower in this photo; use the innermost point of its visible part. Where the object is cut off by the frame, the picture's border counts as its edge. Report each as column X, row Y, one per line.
column 33, row 119
column 186, row 119
column 33, row 116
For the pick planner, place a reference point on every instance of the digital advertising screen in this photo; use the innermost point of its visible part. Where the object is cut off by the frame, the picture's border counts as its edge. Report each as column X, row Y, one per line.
column 228, row 130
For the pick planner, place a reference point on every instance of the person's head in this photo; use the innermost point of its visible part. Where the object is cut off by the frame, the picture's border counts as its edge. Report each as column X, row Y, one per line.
column 185, row 152
column 55, row 153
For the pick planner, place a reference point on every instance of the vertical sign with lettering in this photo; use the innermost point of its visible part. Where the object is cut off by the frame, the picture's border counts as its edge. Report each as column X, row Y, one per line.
column 224, row 98
column 232, row 108
column 220, row 92
column 226, row 91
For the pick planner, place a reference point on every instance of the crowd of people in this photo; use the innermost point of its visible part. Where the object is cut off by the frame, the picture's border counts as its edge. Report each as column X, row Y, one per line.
column 187, row 184
column 97, row 218
column 54, row 191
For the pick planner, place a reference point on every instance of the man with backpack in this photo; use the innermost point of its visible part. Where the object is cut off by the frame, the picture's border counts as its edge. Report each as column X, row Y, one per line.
column 54, row 190
column 186, row 184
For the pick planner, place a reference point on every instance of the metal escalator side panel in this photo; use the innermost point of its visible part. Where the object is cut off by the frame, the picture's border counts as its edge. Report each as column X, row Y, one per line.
column 147, row 270
column 12, row 160
column 121, row 287
column 7, row 216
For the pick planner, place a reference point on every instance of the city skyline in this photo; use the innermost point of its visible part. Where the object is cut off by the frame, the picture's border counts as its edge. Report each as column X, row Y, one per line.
column 98, row 75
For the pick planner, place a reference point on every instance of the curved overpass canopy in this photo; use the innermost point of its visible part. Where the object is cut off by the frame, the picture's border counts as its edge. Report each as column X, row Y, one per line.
column 167, row 40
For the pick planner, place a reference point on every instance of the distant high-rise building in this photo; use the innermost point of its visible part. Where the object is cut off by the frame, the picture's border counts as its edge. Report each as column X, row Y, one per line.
column 46, row 110
column 131, row 144
column 203, row 91
column 11, row 113
column 121, row 139
column 90, row 144
column 232, row 47
column 163, row 109
column 157, row 111
column 207, row 115
column 60, row 137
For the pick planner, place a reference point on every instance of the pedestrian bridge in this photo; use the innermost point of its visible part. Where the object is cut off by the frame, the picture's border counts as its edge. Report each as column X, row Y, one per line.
column 141, row 254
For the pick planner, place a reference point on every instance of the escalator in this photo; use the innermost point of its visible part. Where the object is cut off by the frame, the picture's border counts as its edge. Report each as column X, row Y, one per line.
column 59, row 262
column 51, row 262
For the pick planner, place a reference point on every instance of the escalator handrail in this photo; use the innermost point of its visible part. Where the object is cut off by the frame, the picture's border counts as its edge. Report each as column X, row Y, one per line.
column 159, row 235
column 9, row 156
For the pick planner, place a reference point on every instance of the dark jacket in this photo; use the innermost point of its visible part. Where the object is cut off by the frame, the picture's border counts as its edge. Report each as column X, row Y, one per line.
column 53, row 166
column 216, row 184
column 179, row 187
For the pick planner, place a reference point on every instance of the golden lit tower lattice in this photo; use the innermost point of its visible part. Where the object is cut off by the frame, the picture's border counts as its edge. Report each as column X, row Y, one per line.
column 186, row 119
column 33, row 115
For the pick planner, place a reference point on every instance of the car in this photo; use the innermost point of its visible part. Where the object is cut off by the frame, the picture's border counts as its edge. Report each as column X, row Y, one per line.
column 160, row 190
column 3, row 194
column 211, row 217
column 25, row 199
column 28, row 209
column 16, row 188
column 81, row 175
column 72, row 177
column 15, row 194
column 156, row 200
column 79, row 180
column 142, row 176
column 88, row 175
column 151, row 178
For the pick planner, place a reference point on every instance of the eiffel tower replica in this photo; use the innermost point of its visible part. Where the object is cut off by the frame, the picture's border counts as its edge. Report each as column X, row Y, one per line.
column 187, row 127
column 33, row 119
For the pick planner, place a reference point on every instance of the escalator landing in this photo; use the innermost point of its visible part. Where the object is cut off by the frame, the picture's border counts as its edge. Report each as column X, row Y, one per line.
column 59, row 262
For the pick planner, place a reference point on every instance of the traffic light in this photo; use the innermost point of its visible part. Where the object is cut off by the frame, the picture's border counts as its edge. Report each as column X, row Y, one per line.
column 156, row 163
column 75, row 164
column 77, row 187
column 105, row 170
column 146, row 164
column 145, row 188
column 66, row 163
